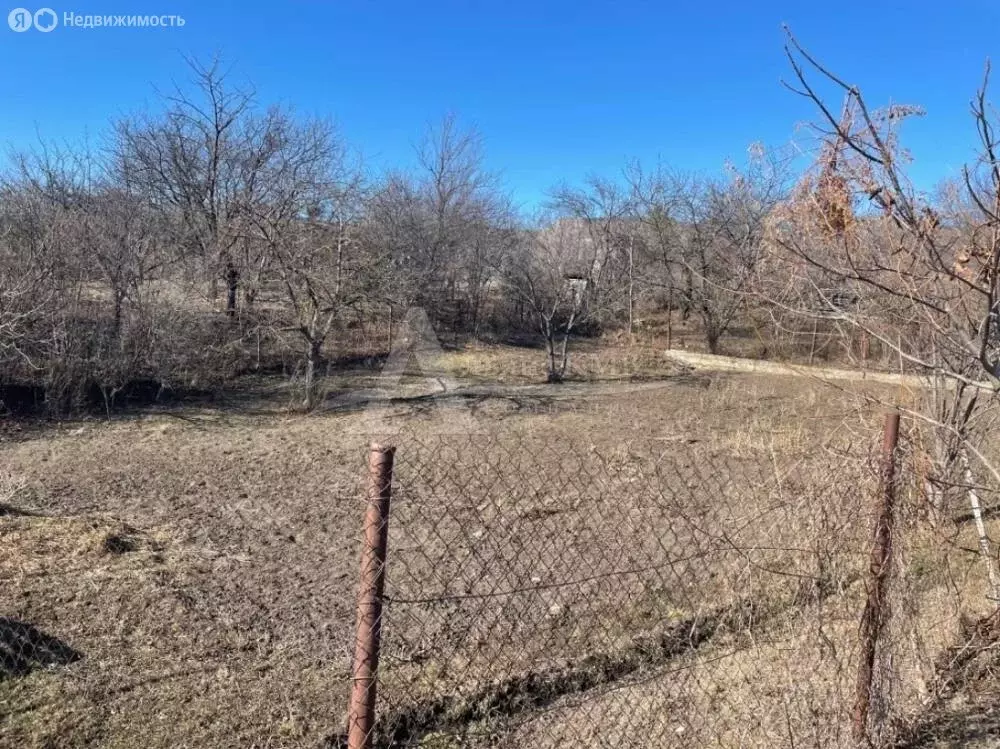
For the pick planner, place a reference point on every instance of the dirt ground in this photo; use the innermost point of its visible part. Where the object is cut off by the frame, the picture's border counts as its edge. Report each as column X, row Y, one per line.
column 186, row 578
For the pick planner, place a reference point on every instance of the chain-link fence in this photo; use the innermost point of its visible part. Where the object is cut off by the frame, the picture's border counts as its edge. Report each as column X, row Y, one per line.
column 524, row 589
column 659, row 594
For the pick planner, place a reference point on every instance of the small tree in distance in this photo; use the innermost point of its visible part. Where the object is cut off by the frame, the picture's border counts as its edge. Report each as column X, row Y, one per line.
column 549, row 275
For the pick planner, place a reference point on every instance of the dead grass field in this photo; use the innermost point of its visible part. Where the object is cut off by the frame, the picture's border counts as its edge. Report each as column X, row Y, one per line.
column 202, row 561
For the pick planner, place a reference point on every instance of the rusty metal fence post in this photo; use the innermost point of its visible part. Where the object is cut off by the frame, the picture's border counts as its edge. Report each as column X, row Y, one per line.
column 873, row 616
column 364, row 675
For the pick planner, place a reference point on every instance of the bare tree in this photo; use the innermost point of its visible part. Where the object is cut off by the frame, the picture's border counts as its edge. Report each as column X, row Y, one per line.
column 441, row 230
column 203, row 162
column 926, row 274
column 29, row 274
column 654, row 206
column 125, row 237
column 720, row 230
column 549, row 273
column 602, row 211
column 307, row 221
column 103, row 242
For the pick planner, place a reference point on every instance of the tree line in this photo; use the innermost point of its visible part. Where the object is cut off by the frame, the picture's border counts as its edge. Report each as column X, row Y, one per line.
column 197, row 239
column 214, row 235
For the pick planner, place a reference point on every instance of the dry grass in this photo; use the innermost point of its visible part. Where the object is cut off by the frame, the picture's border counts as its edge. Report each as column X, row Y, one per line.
column 224, row 616
column 588, row 361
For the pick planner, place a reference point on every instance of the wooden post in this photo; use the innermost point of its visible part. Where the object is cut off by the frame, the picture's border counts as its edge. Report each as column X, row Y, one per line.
column 361, row 715
column 873, row 616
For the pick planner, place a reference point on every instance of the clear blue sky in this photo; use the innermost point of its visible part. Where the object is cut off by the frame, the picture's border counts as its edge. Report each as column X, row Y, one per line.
column 558, row 89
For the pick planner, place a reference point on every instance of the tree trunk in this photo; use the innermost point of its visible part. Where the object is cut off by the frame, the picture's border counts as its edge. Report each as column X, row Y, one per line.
column 475, row 303
column 550, row 348
column 712, row 336
column 713, row 324
column 390, row 329
column 670, row 316
column 631, row 286
column 232, row 287
column 313, row 354
column 119, row 300
column 977, row 515
column 564, row 356
column 688, row 301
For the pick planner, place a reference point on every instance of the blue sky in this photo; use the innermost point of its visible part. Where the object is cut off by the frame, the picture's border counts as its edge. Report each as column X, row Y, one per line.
column 558, row 89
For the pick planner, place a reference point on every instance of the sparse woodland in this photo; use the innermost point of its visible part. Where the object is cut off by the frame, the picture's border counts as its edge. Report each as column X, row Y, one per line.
column 215, row 236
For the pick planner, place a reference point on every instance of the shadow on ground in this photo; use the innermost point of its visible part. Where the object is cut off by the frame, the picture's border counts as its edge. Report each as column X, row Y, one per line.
column 969, row 726
column 24, row 648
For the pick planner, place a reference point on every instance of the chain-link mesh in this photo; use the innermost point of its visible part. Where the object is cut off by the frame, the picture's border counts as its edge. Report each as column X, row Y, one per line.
column 547, row 593
column 539, row 591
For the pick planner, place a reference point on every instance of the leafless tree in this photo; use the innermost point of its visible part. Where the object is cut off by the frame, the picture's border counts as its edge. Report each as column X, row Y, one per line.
column 441, row 230
column 549, row 272
column 28, row 276
column 720, row 229
column 102, row 242
column 926, row 274
column 654, row 205
column 203, row 161
column 702, row 238
column 307, row 222
column 602, row 211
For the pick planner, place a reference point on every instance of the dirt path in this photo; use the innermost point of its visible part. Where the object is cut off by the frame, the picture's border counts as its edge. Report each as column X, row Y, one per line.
column 757, row 366
column 688, row 367
column 683, row 367
column 442, row 387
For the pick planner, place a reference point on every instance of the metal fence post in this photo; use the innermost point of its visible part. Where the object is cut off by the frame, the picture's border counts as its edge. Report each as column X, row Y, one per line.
column 873, row 617
column 361, row 715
